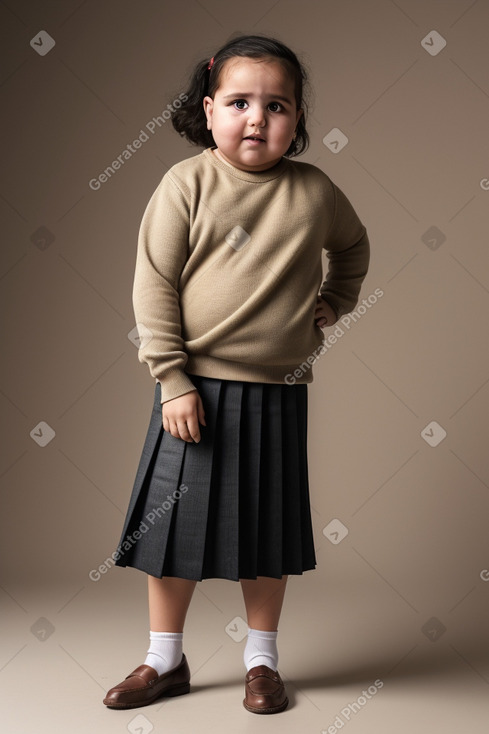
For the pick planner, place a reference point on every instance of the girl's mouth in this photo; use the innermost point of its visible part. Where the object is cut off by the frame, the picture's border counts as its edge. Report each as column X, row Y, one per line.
column 254, row 140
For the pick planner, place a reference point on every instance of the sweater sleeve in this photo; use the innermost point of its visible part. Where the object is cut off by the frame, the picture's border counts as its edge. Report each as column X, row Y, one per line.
column 348, row 251
column 161, row 255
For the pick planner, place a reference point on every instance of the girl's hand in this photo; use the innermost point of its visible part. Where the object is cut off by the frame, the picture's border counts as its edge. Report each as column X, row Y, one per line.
column 181, row 416
column 324, row 315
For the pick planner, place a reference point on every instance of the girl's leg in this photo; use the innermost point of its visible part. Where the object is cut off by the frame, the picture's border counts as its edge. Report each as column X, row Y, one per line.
column 169, row 600
column 264, row 690
column 263, row 598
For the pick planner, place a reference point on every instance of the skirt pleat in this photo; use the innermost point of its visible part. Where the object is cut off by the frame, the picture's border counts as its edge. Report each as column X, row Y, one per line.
column 236, row 504
column 270, row 488
column 222, row 550
column 249, row 479
column 193, row 515
column 297, row 548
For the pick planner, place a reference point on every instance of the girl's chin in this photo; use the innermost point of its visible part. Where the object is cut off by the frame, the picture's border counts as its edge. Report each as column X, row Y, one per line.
column 248, row 155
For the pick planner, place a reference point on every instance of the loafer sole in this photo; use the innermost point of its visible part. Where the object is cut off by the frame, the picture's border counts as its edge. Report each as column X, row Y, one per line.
column 271, row 710
column 176, row 690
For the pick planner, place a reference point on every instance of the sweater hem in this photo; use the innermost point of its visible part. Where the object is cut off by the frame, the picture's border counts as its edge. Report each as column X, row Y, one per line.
column 221, row 369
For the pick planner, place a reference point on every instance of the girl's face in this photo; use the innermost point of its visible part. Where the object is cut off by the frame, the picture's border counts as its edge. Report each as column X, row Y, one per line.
column 254, row 97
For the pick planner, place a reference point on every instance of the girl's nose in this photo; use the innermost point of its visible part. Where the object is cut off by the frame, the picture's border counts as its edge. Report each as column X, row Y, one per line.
column 256, row 116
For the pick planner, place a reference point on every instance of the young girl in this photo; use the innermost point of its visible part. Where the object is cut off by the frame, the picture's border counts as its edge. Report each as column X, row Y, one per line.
column 230, row 308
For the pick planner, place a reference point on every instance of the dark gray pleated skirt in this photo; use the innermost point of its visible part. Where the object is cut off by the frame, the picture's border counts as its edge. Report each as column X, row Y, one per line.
column 236, row 504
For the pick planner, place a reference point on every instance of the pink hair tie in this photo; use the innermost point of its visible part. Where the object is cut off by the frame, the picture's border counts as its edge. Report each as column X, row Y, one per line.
column 211, row 62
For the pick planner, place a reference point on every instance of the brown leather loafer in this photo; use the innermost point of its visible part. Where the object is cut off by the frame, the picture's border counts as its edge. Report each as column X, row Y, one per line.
column 264, row 691
column 144, row 686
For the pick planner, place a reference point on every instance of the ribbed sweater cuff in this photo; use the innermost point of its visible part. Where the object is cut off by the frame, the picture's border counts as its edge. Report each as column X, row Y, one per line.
column 173, row 384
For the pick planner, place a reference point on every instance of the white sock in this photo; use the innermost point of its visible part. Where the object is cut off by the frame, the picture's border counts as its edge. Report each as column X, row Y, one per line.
column 261, row 649
column 165, row 651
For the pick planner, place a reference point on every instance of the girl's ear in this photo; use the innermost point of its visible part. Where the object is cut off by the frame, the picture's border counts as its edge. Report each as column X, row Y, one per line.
column 208, row 103
column 300, row 112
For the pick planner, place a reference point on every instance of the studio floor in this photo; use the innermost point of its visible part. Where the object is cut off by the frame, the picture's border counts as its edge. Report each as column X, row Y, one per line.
column 344, row 666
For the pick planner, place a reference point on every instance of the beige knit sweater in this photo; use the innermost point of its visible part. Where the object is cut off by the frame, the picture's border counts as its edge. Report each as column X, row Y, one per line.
column 229, row 267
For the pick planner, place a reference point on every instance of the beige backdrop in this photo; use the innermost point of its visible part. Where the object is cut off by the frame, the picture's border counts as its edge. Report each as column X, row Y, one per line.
column 397, row 429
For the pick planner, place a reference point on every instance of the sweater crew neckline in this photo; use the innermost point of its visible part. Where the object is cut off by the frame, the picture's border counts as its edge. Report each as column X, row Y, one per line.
column 253, row 176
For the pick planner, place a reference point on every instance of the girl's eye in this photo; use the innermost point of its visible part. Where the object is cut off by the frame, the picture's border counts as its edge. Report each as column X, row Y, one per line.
column 238, row 102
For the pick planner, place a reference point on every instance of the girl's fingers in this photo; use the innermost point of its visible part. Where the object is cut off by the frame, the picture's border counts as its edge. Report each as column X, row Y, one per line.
column 201, row 412
column 185, row 429
column 193, row 431
column 181, row 419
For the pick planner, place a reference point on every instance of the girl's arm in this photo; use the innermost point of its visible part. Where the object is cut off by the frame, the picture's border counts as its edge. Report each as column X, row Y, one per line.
column 348, row 252
column 161, row 255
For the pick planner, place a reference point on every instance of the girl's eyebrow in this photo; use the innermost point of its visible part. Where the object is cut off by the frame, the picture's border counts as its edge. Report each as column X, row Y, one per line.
column 239, row 95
